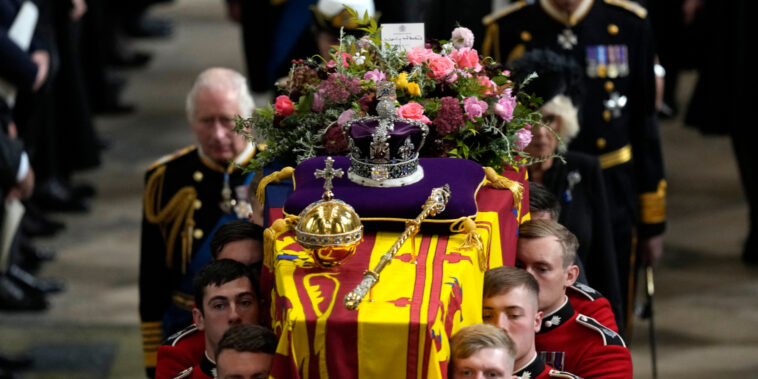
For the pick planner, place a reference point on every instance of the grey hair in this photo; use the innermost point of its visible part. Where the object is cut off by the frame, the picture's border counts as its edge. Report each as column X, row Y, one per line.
column 221, row 78
column 562, row 107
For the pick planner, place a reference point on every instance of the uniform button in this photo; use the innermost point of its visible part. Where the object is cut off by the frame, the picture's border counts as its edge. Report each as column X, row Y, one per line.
column 198, row 234
column 526, row 36
column 609, row 86
column 607, row 115
column 613, row 29
column 197, row 204
column 601, row 143
column 197, row 176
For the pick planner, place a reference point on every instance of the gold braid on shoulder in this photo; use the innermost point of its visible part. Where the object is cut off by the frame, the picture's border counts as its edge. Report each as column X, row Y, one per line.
column 176, row 216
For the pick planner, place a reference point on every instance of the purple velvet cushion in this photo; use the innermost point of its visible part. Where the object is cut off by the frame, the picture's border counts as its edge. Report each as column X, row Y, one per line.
column 399, row 203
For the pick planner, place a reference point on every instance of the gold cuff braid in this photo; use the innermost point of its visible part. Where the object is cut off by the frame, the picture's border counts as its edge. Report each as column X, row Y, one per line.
column 653, row 205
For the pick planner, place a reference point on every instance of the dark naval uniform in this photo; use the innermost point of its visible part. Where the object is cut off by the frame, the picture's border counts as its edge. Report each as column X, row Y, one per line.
column 579, row 186
column 612, row 41
column 187, row 197
column 579, row 344
column 589, row 302
column 183, row 350
column 537, row 369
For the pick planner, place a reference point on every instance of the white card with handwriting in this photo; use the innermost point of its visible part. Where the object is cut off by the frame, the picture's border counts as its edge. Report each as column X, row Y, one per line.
column 404, row 36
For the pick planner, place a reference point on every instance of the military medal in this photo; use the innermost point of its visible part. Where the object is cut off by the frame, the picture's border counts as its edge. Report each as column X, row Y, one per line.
column 567, row 39
column 613, row 60
column 602, row 59
column 615, row 103
column 226, row 196
column 243, row 208
column 591, row 61
column 623, row 61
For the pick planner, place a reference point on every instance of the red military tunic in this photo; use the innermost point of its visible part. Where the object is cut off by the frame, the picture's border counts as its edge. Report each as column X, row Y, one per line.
column 183, row 350
column 589, row 302
column 206, row 369
column 579, row 344
column 537, row 369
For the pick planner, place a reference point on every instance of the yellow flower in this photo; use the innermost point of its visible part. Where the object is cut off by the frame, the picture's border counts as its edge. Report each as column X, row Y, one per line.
column 414, row 89
column 402, row 80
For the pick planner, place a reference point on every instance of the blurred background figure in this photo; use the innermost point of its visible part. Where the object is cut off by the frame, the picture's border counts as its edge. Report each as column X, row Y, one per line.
column 724, row 92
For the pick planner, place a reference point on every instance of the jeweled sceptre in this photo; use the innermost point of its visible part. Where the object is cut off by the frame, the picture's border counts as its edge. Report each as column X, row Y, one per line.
column 434, row 205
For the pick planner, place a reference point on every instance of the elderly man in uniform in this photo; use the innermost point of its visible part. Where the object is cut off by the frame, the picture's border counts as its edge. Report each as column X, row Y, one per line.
column 188, row 195
column 612, row 41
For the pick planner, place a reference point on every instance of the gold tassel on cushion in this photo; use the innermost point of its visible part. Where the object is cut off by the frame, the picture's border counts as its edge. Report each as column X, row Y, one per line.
column 472, row 241
column 501, row 182
column 269, row 238
column 275, row 177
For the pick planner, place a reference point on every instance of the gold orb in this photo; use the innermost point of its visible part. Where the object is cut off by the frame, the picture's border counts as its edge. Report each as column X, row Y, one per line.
column 330, row 231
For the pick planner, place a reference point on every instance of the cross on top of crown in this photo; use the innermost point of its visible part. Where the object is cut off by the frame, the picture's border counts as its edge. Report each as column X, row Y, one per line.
column 328, row 173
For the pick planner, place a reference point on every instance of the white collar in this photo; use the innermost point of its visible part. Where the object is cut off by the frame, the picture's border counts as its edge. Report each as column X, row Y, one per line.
column 241, row 158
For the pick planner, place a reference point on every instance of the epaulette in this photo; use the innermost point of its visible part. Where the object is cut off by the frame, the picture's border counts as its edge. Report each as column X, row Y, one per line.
column 184, row 374
column 631, row 6
column 169, row 157
column 494, row 16
column 562, row 374
column 587, row 291
column 173, row 339
column 609, row 336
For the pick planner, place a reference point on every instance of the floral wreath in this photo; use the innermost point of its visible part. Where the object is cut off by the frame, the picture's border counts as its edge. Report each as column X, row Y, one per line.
column 469, row 102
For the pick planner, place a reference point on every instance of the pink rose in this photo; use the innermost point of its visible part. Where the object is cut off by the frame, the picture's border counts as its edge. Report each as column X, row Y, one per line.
column 345, row 117
column 505, row 105
column 413, row 111
column 376, row 75
column 523, row 137
column 488, row 85
column 462, row 37
column 345, row 57
column 440, row 66
column 474, row 107
column 466, row 58
column 284, row 106
column 452, row 78
column 418, row 55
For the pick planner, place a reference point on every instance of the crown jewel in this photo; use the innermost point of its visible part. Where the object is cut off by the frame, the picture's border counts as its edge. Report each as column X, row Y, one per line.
column 329, row 229
column 384, row 148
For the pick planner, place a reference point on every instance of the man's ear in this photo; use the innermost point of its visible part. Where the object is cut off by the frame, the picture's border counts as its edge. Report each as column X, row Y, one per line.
column 538, row 321
column 572, row 272
column 198, row 319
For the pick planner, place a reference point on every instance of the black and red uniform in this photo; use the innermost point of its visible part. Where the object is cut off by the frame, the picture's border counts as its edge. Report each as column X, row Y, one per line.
column 581, row 345
column 206, row 369
column 589, row 302
column 182, row 351
column 537, row 369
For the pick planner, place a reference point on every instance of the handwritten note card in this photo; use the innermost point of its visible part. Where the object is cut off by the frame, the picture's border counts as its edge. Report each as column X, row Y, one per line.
column 404, row 36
